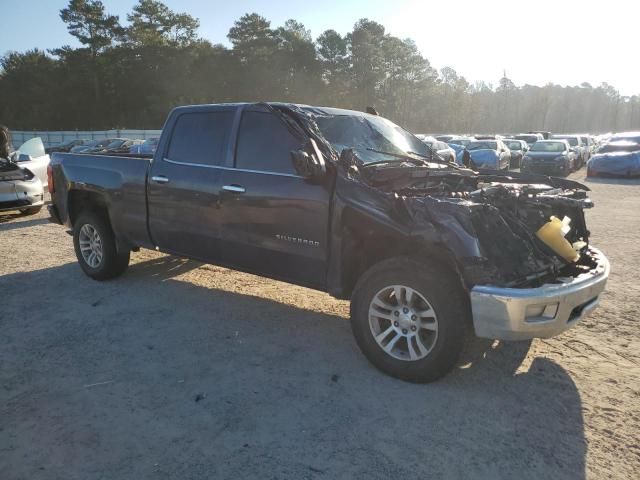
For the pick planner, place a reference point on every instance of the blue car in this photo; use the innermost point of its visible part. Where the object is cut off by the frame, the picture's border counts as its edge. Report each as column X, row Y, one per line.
column 550, row 157
column 489, row 154
column 620, row 158
column 148, row 147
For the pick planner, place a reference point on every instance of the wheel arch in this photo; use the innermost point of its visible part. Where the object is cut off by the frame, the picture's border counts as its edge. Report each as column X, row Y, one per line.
column 79, row 201
column 365, row 247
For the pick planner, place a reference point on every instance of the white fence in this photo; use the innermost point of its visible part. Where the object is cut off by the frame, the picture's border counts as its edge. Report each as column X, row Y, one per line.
column 54, row 138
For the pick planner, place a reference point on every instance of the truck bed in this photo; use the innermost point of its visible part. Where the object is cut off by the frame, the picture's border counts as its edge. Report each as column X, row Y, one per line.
column 121, row 182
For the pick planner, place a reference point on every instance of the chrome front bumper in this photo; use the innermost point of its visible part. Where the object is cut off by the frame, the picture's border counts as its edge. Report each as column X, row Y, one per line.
column 543, row 312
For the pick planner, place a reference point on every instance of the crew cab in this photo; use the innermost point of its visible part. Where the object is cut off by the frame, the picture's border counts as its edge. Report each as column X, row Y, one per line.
column 351, row 204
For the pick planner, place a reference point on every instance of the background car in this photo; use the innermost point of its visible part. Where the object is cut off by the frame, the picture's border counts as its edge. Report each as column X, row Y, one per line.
column 444, row 138
column 31, row 155
column 549, row 157
column 459, row 149
column 545, row 135
column 618, row 146
column 148, row 147
column 93, row 146
column 441, row 148
column 489, row 154
column 461, row 140
column 530, row 138
column 65, row 146
column 121, row 145
column 517, row 148
column 20, row 188
column 589, row 143
column 577, row 146
column 614, row 164
column 629, row 136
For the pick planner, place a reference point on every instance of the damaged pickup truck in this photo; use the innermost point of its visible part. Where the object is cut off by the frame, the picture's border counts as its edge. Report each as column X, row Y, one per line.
column 351, row 204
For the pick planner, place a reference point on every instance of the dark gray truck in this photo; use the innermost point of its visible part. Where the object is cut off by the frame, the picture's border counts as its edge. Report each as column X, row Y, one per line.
column 351, row 204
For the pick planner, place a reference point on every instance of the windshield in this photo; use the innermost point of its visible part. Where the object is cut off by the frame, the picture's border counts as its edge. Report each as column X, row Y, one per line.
column 528, row 138
column 573, row 141
column 482, row 146
column 558, row 147
column 514, row 145
column 115, row 144
column 34, row 148
column 361, row 133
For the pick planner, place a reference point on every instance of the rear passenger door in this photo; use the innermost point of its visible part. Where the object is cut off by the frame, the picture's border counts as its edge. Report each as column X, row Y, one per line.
column 184, row 182
column 273, row 222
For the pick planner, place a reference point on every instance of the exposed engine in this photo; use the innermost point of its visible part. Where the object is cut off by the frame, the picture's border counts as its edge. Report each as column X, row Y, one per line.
column 527, row 233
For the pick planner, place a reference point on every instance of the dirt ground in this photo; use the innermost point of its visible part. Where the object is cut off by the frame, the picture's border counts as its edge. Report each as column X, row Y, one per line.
column 180, row 370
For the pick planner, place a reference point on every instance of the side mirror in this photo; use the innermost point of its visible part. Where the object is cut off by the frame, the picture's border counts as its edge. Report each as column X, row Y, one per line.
column 309, row 162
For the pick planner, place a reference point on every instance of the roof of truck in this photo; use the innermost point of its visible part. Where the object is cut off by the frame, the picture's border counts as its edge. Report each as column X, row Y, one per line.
column 308, row 108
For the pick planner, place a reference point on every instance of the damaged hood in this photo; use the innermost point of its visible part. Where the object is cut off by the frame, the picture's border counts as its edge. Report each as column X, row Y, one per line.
column 491, row 220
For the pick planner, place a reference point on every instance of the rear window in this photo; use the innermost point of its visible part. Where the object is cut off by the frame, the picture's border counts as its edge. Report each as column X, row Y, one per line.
column 265, row 144
column 201, row 137
column 482, row 145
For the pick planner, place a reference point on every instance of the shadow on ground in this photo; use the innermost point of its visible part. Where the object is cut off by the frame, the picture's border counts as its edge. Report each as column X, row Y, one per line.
column 151, row 376
column 27, row 222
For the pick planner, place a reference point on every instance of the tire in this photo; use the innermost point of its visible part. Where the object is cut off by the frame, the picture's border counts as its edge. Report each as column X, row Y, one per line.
column 31, row 210
column 450, row 311
column 111, row 263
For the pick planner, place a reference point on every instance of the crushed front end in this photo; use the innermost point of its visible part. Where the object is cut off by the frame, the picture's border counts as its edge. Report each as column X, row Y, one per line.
column 520, row 242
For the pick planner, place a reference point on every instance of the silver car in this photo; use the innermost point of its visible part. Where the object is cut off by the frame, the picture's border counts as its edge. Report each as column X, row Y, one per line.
column 22, row 178
column 20, row 188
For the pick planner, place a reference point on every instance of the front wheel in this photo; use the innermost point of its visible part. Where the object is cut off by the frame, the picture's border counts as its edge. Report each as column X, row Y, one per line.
column 95, row 247
column 408, row 319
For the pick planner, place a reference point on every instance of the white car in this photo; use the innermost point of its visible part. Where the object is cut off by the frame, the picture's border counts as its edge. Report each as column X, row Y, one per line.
column 31, row 155
column 20, row 189
column 441, row 148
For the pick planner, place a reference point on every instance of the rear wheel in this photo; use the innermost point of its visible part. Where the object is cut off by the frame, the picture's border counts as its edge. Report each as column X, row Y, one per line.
column 408, row 319
column 95, row 247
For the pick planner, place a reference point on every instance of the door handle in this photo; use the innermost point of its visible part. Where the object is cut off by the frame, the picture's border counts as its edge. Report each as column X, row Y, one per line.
column 160, row 179
column 234, row 188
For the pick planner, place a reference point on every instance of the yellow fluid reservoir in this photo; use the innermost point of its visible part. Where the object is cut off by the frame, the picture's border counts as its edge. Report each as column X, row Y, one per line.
column 552, row 234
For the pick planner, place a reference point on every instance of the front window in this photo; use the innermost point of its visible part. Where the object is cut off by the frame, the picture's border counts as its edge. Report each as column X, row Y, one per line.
column 365, row 133
column 557, row 147
column 514, row 145
column 116, row 144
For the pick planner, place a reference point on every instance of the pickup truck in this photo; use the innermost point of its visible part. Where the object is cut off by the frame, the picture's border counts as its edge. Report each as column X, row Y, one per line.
column 351, row 204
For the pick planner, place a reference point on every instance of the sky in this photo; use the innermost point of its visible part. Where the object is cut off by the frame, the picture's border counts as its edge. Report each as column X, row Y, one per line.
column 566, row 42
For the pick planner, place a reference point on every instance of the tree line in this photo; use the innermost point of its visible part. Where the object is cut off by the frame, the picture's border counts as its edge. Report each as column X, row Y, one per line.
column 131, row 75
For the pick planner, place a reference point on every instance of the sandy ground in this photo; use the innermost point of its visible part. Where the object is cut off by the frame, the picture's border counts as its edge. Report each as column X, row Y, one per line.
column 186, row 371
